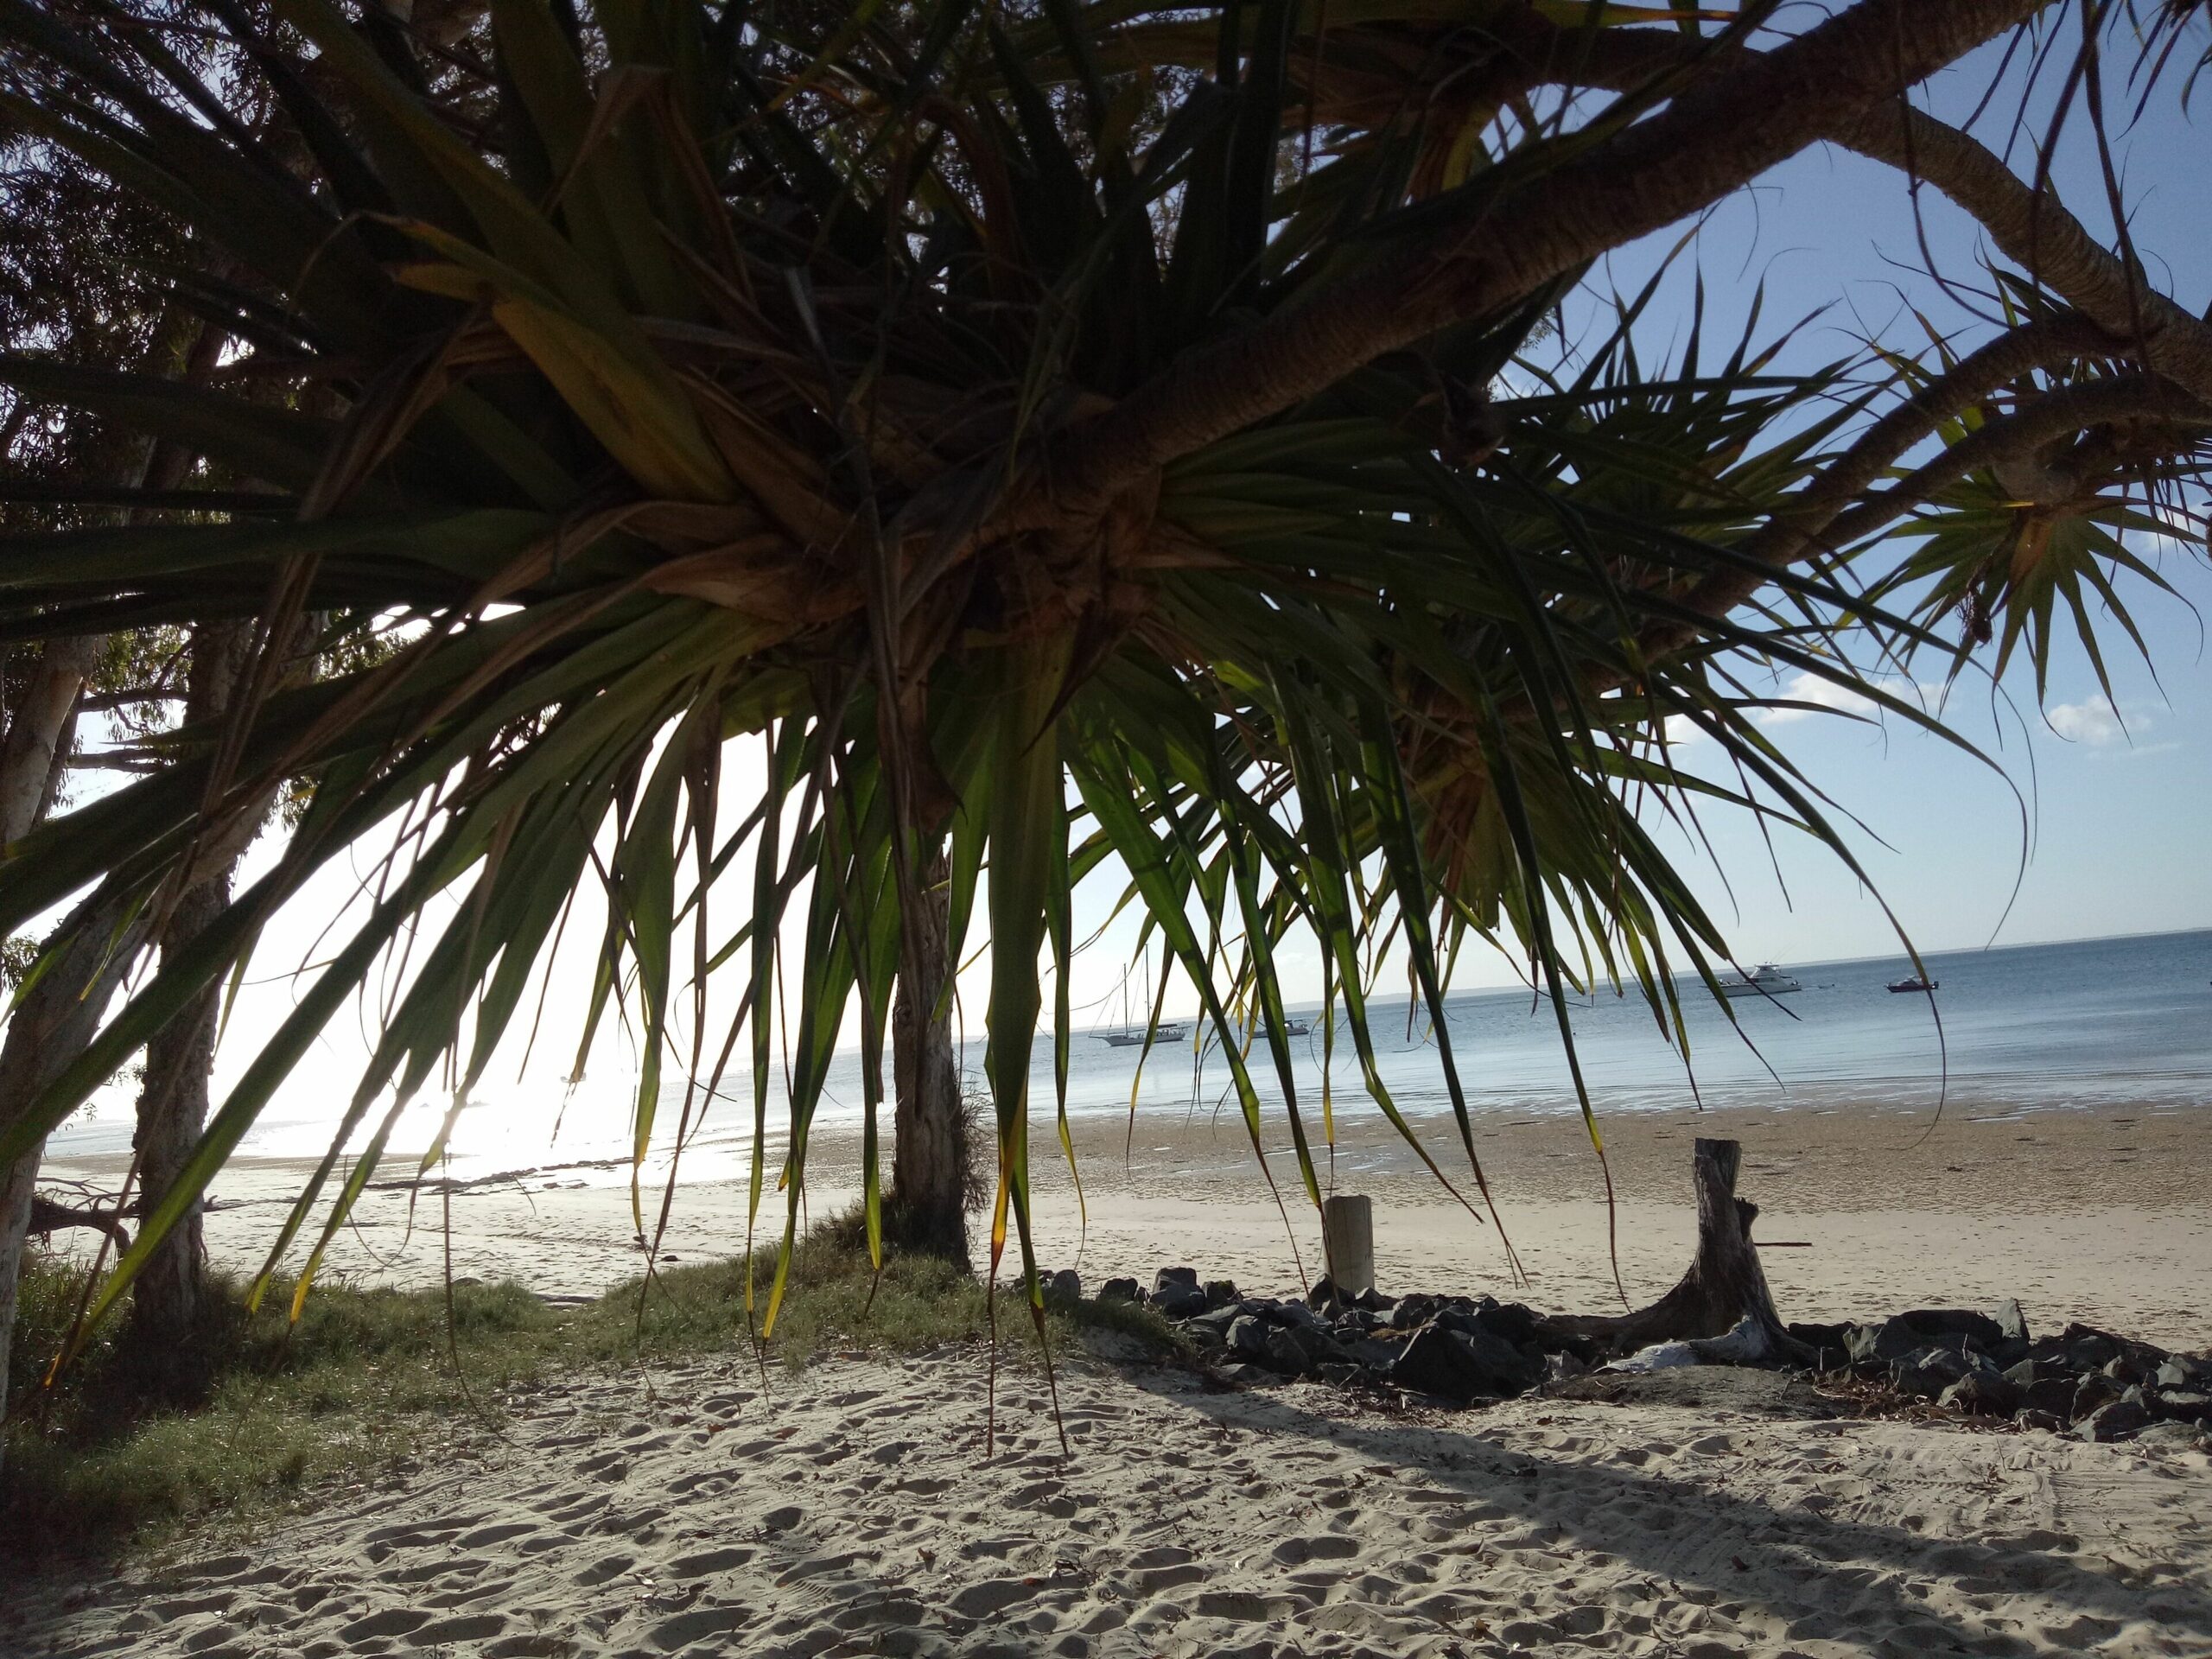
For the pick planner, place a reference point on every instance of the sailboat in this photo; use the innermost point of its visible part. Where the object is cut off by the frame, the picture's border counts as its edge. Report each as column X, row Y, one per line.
column 1131, row 1036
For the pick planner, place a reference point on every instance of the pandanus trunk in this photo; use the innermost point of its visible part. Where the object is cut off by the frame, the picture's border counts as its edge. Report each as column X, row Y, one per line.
column 167, row 1341
column 926, row 1209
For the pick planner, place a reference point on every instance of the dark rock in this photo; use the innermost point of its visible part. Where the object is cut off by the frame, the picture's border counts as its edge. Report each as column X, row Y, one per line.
column 1297, row 1315
column 1927, row 1372
column 1955, row 1328
column 1247, row 1336
column 2088, row 1348
column 1296, row 1351
column 1064, row 1287
column 1830, row 1342
column 1413, row 1312
column 1119, row 1290
column 1326, row 1298
column 1462, row 1364
column 1176, row 1292
column 1511, row 1320
column 1341, row 1374
column 2180, row 1373
column 2052, row 1396
column 1217, row 1320
column 2050, row 1422
column 2120, row 1420
column 2093, row 1391
column 1982, row 1394
column 2181, row 1405
column 1376, row 1353
column 1559, row 1367
column 1220, row 1292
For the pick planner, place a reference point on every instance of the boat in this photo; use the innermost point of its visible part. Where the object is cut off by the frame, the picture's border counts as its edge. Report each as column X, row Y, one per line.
column 1766, row 980
column 1297, row 1028
column 1132, row 1036
column 1135, row 1038
column 1915, row 983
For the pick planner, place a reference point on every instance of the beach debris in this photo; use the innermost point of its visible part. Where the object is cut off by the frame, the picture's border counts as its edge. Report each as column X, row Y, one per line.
column 1745, row 1344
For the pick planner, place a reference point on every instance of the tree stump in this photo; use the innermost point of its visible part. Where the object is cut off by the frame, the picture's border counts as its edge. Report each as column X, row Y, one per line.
column 1725, row 1284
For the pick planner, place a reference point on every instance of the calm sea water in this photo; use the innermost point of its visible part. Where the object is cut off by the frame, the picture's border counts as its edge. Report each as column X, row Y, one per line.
column 2038, row 1025
column 2032, row 1027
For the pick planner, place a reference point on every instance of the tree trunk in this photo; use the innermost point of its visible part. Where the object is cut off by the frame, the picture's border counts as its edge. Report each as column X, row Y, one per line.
column 166, row 1342
column 38, row 735
column 1725, row 1284
column 926, row 1209
column 57, row 1017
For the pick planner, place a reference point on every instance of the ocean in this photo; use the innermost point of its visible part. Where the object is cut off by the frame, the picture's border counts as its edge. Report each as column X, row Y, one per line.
column 2025, row 1027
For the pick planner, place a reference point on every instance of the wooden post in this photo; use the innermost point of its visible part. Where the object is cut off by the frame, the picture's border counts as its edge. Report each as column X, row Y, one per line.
column 1348, row 1243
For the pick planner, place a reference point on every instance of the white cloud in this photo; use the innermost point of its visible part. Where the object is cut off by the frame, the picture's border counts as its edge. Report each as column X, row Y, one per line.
column 2093, row 723
column 1807, row 688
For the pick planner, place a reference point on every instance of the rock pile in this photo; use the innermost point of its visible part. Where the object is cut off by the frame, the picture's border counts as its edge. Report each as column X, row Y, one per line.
column 1457, row 1348
column 2090, row 1382
column 1462, row 1349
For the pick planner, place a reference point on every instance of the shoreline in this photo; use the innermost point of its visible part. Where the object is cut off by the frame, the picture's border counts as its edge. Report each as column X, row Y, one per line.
column 2097, row 1214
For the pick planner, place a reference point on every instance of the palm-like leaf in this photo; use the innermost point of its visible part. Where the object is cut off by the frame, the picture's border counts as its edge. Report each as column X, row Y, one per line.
column 693, row 379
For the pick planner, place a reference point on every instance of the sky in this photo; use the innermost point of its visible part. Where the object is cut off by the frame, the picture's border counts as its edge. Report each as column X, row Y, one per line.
column 2090, row 821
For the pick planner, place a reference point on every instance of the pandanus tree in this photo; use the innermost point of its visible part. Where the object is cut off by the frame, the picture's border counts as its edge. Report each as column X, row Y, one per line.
column 1049, row 437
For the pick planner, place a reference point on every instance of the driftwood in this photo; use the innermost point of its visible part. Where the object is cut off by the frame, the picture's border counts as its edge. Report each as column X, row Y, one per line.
column 1725, row 1285
column 50, row 1217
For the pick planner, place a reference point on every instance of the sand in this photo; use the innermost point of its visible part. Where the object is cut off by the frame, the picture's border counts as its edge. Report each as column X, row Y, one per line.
column 2102, row 1215
column 680, row 1510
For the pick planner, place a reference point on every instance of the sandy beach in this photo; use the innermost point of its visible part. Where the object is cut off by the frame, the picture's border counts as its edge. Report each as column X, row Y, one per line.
column 2102, row 1215
column 681, row 1510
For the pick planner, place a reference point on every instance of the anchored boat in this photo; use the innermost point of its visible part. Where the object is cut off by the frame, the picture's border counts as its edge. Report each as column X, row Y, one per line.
column 1766, row 980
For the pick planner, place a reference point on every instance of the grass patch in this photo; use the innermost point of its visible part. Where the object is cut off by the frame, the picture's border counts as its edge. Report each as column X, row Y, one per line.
column 367, row 1379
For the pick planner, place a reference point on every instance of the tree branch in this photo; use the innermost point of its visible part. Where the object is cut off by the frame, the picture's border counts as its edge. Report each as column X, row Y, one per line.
column 2039, row 235
column 2034, row 229
column 1713, row 138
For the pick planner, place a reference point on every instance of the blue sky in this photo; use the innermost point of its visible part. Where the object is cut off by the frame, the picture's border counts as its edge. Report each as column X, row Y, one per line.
column 2116, row 808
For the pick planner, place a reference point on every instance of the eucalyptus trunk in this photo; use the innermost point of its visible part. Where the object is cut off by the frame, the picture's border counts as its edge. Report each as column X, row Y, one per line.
column 926, row 1210
column 50, row 1026
column 38, row 732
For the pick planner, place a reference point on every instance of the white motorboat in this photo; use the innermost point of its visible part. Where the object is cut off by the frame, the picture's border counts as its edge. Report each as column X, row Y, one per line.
column 1766, row 980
